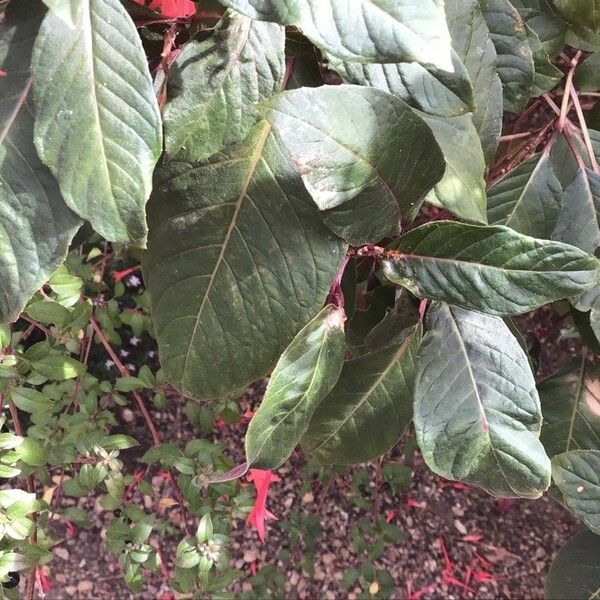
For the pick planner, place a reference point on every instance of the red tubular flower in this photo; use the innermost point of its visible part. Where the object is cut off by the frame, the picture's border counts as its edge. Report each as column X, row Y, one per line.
column 173, row 8
column 259, row 513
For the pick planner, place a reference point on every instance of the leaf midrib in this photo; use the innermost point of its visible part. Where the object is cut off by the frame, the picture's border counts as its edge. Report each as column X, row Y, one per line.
column 364, row 397
column 262, row 140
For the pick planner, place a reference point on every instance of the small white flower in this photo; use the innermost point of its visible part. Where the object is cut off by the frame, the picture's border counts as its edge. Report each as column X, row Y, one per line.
column 134, row 281
column 109, row 363
column 135, row 340
column 124, row 353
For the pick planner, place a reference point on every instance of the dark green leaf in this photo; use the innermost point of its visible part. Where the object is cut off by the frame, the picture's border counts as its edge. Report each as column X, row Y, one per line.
column 540, row 17
column 577, row 475
column 30, row 400
column 574, row 573
column 579, row 223
column 97, row 121
column 477, row 412
column 473, row 44
column 492, row 269
column 515, row 60
column 571, row 408
column 547, row 76
column 368, row 410
column 214, row 86
column 382, row 31
column 587, row 76
column 37, row 226
column 364, row 156
column 238, row 262
column 65, row 9
column 306, row 372
column 528, row 199
column 581, row 12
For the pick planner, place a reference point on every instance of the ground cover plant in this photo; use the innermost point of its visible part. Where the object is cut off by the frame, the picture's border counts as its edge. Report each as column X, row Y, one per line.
column 378, row 203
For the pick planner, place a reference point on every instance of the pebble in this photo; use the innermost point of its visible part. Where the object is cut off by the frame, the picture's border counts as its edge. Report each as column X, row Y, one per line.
column 85, row 586
column 460, row 527
column 61, row 552
column 127, row 415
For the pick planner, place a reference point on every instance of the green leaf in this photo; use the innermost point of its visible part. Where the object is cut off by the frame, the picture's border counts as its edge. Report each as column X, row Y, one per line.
column 477, row 412
column 186, row 555
column 31, row 453
column 119, row 441
column 440, row 95
column 579, row 223
column 528, row 199
column 571, row 408
column 461, row 190
column 67, row 10
column 431, row 90
column 129, row 384
column 492, row 269
column 204, row 532
column 306, row 372
column 47, row 312
column 363, row 180
column 238, row 262
column 515, row 60
column 547, row 76
column 59, row 367
column 214, row 86
column 30, row 400
column 580, row 12
column 472, row 41
column 541, row 19
column 587, row 75
column 370, row 407
column 97, row 120
column 574, row 572
column 577, row 475
column 382, row 31
column 37, row 226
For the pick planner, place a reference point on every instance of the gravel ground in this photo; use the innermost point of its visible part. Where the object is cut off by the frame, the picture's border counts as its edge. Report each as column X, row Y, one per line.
column 502, row 548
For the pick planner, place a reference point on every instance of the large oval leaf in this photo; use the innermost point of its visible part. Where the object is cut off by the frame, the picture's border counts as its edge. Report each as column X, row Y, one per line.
column 365, row 157
column 574, row 573
column 97, row 121
column 303, row 376
column 477, row 412
column 214, row 86
column 368, row 410
column 381, row 31
column 528, row 199
column 492, row 269
column 472, row 41
column 36, row 226
column 577, row 475
column 238, row 262
column 571, row 408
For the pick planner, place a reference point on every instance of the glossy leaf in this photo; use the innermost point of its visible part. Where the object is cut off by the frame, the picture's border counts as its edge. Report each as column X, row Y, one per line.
column 431, row 90
column 477, row 412
column 97, row 122
column 492, row 269
column 215, row 84
column 528, row 199
column 36, row 226
column 571, row 408
column 574, row 572
column 579, row 223
column 472, row 42
column 587, row 75
column 306, row 372
column 238, row 262
column 364, row 156
column 440, row 96
column 547, row 76
column 515, row 60
column 368, row 410
column 580, row 12
column 382, row 31
column 65, row 9
column 577, row 475
column 540, row 17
